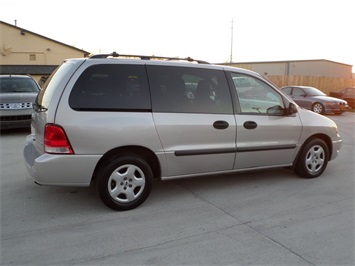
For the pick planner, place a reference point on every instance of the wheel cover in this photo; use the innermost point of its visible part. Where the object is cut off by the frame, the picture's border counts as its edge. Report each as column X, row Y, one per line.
column 315, row 159
column 126, row 183
column 318, row 108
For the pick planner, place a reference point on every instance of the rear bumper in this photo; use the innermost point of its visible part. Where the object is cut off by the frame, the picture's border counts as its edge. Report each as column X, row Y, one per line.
column 59, row 170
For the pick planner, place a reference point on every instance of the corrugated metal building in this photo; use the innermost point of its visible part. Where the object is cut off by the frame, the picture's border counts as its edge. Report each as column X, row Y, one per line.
column 314, row 68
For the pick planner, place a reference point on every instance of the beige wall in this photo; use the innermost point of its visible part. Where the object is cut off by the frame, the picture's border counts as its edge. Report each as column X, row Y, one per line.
column 315, row 68
column 20, row 47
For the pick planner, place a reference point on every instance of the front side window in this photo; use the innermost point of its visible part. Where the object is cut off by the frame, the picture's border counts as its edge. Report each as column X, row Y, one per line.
column 111, row 88
column 189, row 90
column 298, row 92
column 256, row 96
column 287, row 90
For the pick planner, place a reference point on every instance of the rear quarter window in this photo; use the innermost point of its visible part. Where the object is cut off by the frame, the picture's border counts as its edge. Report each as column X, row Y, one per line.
column 111, row 88
column 46, row 94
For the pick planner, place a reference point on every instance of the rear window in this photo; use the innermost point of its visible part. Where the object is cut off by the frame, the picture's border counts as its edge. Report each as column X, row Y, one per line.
column 111, row 88
column 17, row 85
column 45, row 96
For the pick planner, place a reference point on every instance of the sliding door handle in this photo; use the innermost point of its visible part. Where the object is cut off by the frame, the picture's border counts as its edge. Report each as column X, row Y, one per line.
column 250, row 125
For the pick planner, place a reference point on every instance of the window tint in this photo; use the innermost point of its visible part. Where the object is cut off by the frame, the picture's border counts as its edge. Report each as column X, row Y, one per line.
column 17, row 85
column 287, row 90
column 111, row 87
column 189, row 90
column 45, row 95
column 298, row 92
column 349, row 93
column 255, row 96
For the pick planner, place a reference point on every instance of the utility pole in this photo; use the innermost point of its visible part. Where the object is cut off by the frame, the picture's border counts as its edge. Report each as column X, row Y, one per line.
column 231, row 56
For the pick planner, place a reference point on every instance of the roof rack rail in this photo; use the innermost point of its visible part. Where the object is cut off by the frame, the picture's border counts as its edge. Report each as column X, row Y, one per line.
column 148, row 57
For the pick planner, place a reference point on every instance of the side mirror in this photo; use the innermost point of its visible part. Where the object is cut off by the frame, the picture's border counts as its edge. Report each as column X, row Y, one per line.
column 292, row 109
column 276, row 110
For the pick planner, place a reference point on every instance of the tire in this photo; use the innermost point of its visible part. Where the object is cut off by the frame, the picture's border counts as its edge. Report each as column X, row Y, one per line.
column 318, row 108
column 313, row 159
column 125, row 182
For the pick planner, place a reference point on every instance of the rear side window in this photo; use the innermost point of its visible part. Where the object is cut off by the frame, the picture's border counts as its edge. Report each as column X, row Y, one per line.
column 349, row 93
column 111, row 88
column 189, row 90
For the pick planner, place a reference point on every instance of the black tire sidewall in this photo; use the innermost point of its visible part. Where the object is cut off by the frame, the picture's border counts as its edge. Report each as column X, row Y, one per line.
column 300, row 166
column 107, row 170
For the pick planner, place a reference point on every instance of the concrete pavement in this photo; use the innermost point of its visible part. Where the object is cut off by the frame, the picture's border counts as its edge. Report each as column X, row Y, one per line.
column 257, row 218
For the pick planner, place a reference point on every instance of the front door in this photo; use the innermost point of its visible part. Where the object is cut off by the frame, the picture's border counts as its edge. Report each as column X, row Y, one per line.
column 265, row 136
column 300, row 97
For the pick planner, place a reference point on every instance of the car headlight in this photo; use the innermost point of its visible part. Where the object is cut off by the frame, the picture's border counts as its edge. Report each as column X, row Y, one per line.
column 335, row 127
column 331, row 103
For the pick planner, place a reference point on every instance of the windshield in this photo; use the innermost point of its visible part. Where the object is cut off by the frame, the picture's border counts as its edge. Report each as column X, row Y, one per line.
column 313, row 91
column 17, row 85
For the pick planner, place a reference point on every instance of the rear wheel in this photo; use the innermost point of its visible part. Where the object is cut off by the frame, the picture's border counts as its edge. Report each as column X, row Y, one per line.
column 313, row 159
column 125, row 182
column 318, row 108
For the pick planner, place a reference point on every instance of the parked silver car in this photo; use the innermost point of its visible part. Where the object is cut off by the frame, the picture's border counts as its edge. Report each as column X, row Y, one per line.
column 120, row 123
column 17, row 94
column 315, row 100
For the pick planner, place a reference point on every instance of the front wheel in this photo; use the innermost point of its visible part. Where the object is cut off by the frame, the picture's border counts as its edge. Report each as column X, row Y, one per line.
column 313, row 159
column 125, row 182
column 318, row 108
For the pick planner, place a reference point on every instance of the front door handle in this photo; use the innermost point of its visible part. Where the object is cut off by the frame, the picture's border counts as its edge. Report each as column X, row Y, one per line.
column 250, row 125
column 220, row 124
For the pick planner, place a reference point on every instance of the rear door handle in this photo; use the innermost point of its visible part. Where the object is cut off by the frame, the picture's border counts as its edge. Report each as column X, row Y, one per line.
column 250, row 125
column 220, row 124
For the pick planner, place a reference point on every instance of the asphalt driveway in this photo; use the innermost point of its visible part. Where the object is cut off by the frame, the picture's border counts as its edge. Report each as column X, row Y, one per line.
column 257, row 218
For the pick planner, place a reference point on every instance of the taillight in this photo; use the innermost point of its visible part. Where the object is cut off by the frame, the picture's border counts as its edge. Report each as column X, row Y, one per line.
column 56, row 141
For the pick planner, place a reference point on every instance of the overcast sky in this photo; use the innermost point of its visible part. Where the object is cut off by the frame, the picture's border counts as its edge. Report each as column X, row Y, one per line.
column 263, row 30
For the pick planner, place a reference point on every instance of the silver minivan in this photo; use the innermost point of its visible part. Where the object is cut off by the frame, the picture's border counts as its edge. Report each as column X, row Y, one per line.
column 120, row 123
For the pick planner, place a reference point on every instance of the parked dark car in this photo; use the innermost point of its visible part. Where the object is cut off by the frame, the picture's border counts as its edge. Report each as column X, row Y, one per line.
column 315, row 100
column 347, row 94
column 17, row 94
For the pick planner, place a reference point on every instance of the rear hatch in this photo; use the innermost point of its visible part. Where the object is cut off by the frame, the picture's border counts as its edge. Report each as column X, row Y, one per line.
column 47, row 100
